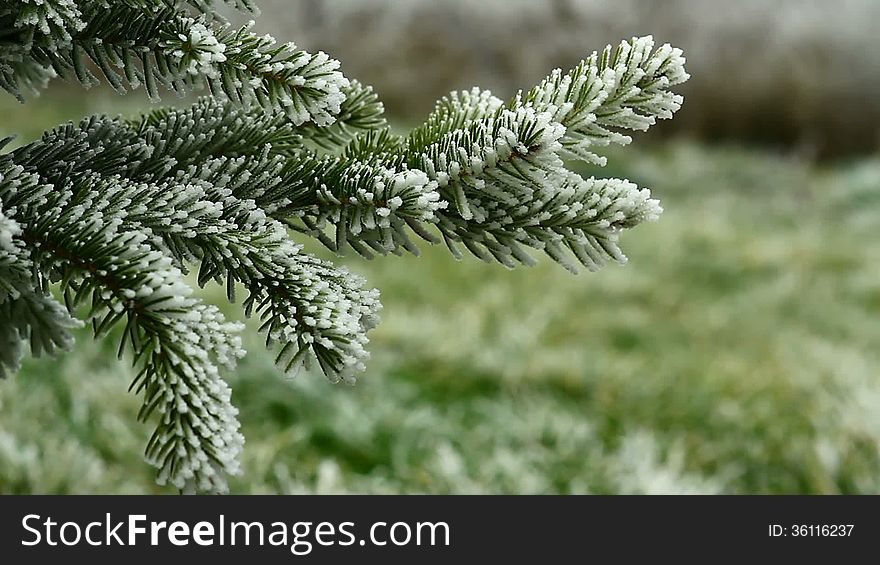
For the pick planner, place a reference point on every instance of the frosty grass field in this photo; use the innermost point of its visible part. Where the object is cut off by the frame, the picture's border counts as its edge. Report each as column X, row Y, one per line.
column 737, row 352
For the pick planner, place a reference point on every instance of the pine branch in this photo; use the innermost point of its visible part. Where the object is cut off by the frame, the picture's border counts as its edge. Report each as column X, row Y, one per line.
column 210, row 129
column 111, row 213
column 205, row 215
column 493, row 161
column 177, row 341
column 500, row 165
column 622, row 88
column 35, row 319
column 456, row 111
column 15, row 266
column 306, row 305
column 159, row 43
column 362, row 112
column 24, row 24
column 26, row 316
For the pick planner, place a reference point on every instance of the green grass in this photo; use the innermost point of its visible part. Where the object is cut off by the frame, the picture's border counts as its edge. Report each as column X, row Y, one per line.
column 736, row 352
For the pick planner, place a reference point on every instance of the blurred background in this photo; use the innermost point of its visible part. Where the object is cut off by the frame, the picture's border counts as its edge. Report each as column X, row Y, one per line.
column 737, row 352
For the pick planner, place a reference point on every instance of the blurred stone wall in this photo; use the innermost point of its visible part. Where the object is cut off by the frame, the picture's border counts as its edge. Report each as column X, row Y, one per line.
column 803, row 74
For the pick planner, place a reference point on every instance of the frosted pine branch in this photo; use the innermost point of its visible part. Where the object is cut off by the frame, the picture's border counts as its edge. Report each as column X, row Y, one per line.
column 619, row 89
column 110, row 214
column 158, row 43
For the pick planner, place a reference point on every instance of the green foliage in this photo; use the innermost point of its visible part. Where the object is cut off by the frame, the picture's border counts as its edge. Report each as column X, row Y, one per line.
column 110, row 214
